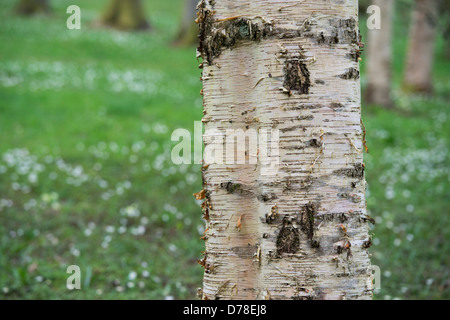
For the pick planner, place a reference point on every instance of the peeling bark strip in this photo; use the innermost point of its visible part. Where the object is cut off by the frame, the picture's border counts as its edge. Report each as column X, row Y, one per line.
column 301, row 231
column 307, row 217
column 218, row 34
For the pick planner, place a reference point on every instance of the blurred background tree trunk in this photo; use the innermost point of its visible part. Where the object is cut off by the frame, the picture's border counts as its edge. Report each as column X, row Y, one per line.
column 379, row 57
column 30, row 7
column 419, row 64
column 362, row 6
column 188, row 31
column 444, row 13
column 125, row 15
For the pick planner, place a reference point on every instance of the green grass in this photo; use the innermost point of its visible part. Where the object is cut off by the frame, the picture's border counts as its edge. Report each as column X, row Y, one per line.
column 86, row 177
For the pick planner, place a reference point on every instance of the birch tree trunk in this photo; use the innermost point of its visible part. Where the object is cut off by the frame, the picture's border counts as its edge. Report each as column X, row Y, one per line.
column 379, row 57
column 419, row 64
column 30, row 7
column 188, row 31
column 125, row 15
column 297, row 230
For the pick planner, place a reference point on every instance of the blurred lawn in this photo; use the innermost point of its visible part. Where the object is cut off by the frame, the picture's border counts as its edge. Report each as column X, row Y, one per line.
column 86, row 177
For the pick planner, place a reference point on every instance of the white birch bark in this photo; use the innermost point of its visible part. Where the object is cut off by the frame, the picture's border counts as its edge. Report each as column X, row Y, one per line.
column 379, row 57
column 301, row 232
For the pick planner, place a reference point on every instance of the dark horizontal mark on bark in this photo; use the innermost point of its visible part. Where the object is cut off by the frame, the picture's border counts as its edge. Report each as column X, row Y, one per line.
column 337, row 106
column 356, row 172
column 342, row 217
column 350, row 196
column 266, row 197
column 292, row 148
column 367, row 244
column 304, row 107
column 232, row 187
column 246, row 190
column 314, row 143
column 296, row 185
column 284, row 130
column 351, row 73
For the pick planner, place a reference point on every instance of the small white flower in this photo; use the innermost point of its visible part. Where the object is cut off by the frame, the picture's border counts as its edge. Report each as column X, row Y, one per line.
column 132, row 275
column 33, row 178
column 102, row 184
column 75, row 252
column 119, row 289
column 144, row 220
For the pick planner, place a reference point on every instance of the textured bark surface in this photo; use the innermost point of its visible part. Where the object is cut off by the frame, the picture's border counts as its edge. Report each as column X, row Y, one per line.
column 188, row 31
column 379, row 57
column 301, row 232
column 125, row 15
column 418, row 72
column 30, row 7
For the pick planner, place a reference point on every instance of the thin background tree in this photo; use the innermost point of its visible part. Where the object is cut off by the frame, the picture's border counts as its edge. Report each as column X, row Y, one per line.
column 379, row 57
column 125, row 15
column 31, row 7
column 420, row 56
column 188, row 30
